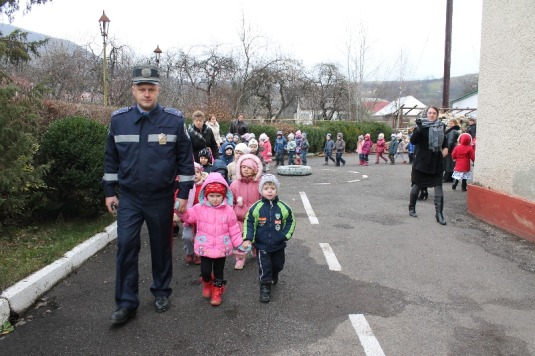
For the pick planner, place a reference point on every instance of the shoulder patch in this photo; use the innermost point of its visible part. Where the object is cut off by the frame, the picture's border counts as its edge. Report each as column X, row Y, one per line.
column 172, row 111
column 121, row 110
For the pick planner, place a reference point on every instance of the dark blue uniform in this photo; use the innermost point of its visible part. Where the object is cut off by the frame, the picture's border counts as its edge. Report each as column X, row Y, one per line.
column 144, row 154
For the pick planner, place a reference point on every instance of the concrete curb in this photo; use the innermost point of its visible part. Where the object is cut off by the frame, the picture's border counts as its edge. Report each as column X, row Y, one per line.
column 20, row 296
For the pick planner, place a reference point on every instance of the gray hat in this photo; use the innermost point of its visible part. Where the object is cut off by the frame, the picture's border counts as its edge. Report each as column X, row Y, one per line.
column 145, row 74
column 268, row 178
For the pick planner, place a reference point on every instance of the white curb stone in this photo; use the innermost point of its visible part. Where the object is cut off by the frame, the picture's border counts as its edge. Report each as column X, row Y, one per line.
column 23, row 294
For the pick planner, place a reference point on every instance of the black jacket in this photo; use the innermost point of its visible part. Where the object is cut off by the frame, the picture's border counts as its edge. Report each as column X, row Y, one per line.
column 203, row 138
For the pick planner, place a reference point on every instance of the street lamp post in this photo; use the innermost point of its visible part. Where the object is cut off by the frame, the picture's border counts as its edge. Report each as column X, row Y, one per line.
column 158, row 53
column 104, row 27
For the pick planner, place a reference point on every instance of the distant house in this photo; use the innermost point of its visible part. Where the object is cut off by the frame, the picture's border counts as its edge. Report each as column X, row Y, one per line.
column 468, row 102
column 401, row 112
column 373, row 105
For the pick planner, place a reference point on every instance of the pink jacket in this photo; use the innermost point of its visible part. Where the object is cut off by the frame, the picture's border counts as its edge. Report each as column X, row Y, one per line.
column 245, row 190
column 218, row 231
column 367, row 145
column 380, row 147
column 267, row 152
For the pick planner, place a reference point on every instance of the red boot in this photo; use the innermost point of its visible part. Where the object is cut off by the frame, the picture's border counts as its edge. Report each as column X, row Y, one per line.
column 207, row 288
column 217, row 292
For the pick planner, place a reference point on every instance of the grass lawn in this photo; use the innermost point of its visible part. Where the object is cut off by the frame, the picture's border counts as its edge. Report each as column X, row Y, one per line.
column 25, row 251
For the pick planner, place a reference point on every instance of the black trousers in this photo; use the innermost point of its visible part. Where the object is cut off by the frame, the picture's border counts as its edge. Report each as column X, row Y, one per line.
column 269, row 264
column 209, row 265
column 157, row 213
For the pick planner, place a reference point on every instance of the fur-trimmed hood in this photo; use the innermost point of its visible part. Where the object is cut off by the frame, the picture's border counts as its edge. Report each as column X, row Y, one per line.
column 251, row 157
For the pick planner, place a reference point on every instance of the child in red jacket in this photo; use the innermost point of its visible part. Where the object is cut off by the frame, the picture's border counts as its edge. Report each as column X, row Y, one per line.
column 462, row 155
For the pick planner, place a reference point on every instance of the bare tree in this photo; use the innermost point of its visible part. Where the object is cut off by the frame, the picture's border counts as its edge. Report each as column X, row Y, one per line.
column 329, row 91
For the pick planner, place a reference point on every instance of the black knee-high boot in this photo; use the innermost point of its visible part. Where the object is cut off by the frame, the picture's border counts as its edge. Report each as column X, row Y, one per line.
column 463, row 185
column 439, row 205
column 412, row 205
column 455, row 182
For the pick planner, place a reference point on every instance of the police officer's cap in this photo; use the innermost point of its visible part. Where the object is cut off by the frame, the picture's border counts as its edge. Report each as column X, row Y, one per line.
column 145, row 74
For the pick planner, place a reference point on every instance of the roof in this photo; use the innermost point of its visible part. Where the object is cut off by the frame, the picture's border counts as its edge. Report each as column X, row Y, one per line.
column 407, row 102
column 475, row 92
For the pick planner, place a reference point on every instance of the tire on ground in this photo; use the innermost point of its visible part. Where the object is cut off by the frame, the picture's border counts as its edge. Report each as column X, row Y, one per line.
column 294, row 170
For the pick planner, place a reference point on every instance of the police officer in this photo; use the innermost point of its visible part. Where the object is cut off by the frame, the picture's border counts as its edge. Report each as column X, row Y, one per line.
column 146, row 149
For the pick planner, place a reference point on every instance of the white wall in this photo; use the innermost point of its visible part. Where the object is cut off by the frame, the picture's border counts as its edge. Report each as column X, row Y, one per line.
column 505, row 155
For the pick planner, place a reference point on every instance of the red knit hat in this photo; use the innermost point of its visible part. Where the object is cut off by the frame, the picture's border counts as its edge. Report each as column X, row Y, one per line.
column 215, row 188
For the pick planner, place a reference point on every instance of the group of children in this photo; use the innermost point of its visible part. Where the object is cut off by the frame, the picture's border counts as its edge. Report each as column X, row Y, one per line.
column 225, row 219
column 296, row 146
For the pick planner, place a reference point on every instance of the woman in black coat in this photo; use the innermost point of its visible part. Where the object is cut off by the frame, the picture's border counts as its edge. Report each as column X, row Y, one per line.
column 201, row 136
column 431, row 147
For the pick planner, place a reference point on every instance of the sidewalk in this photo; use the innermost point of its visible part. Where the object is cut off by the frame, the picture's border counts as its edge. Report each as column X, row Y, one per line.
column 20, row 296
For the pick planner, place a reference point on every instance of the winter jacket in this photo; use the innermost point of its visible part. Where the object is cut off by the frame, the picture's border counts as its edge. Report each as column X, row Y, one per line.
column 329, row 146
column 220, row 167
column 266, row 153
column 245, row 190
column 203, row 138
column 280, row 144
column 340, row 144
column 359, row 146
column 380, row 145
column 291, row 146
column 305, row 145
column 215, row 131
column 427, row 161
column 366, row 146
column 218, row 231
column 393, row 147
column 269, row 224
column 463, row 153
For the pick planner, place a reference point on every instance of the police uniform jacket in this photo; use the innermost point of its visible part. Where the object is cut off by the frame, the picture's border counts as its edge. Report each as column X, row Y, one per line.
column 269, row 224
column 145, row 152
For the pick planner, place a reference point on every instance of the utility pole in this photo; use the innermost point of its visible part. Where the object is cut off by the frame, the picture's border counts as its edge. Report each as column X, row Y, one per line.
column 447, row 56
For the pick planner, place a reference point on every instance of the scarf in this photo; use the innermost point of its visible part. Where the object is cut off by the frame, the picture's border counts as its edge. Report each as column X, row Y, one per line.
column 436, row 134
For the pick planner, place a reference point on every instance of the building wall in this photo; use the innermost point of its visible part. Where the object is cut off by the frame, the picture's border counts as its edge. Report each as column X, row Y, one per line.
column 505, row 153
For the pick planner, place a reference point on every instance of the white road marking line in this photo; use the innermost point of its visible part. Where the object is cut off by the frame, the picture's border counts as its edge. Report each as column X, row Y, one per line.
column 326, row 183
column 353, row 181
column 353, row 172
column 308, row 208
column 365, row 333
column 364, row 176
column 332, row 261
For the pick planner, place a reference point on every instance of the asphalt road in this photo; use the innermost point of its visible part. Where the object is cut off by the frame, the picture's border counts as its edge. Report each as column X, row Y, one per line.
column 422, row 289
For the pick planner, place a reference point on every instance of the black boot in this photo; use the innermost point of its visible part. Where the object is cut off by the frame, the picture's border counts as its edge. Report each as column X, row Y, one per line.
column 463, row 187
column 412, row 205
column 265, row 292
column 454, row 186
column 421, row 196
column 439, row 205
column 425, row 193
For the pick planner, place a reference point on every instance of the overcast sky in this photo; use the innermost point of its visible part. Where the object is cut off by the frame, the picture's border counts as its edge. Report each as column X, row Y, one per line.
column 313, row 32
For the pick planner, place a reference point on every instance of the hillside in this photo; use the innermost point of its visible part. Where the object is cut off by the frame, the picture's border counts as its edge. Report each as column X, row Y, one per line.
column 428, row 91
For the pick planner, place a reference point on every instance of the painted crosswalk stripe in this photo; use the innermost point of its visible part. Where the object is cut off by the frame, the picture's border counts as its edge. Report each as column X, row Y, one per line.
column 365, row 333
column 308, row 208
column 332, row 261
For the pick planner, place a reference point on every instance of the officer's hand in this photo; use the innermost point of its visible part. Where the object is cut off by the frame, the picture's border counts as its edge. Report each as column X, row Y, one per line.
column 112, row 203
column 182, row 206
column 245, row 245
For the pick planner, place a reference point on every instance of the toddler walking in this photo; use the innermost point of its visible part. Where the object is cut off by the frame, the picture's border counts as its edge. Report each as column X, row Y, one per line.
column 245, row 191
column 462, row 155
column 268, row 225
column 218, row 233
